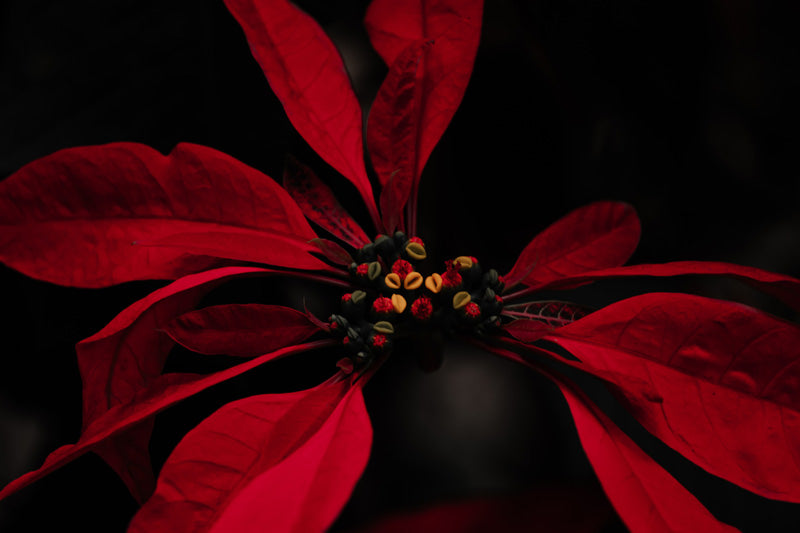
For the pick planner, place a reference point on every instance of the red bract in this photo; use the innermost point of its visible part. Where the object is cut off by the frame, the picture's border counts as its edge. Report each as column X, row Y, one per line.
column 716, row 381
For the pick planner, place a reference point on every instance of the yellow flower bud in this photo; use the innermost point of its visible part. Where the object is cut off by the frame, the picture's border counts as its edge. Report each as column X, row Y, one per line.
column 413, row 281
column 393, row 281
column 434, row 283
column 399, row 303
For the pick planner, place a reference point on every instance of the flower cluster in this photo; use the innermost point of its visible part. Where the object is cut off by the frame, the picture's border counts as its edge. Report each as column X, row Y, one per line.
column 395, row 300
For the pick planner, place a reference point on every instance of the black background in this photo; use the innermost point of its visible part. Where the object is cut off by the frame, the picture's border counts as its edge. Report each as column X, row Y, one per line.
column 683, row 109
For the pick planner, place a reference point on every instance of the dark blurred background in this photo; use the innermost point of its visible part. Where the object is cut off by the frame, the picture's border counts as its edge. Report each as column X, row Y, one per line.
column 684, row 109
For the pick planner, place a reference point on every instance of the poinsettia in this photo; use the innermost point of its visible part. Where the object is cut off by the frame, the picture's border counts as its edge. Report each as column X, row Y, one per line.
column 101, row 215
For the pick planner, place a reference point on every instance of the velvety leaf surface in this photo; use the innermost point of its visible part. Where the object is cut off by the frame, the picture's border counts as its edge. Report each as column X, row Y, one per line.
column 74, row 217
column 526, row 330
column 319, row 204
column 333, row 252
column 71, row 217
column 163, row 392
column 785, row 288
column 453, row 27
column 281, row 462
column 646, row 497
column 599, row 235
column 242, row 245
column 715, row 380
column 308, row 76
column 245, row 330
column 554, row 509
column 393, row 130
column 128, row 355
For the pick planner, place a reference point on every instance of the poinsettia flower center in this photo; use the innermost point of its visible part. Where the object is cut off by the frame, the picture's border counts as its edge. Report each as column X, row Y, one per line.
column 397, row 297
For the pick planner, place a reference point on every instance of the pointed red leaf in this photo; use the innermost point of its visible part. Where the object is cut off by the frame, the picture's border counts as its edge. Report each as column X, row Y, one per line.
column 279, row 463
column 715, row 380
column 164, row 391
column 599, row 235
column 246, row 330
column 271, row 248
column 785, row 288
column 333, row 252
column 308, row 76
column 453, row 27
column 527, row 330
column 393, row 130
column 128, row 355
column 71, row 217
column 319, row 204
column 647, row 497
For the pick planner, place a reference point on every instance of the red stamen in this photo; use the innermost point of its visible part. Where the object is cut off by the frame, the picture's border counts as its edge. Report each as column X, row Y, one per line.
column 402, row 268
column 383, row 305
column 379, row 340
column 451, row 278
column 422, row 308
column 362, row 269
column 472, row 310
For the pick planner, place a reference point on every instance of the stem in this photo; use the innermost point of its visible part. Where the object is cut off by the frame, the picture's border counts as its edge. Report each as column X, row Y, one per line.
column 540, row 318
column 520, row 293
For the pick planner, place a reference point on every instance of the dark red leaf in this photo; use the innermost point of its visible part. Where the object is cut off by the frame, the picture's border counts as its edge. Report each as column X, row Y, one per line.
column 243, row 245
column 71, row 217
column 393, row 130
column 785, row 288
column 552, row 509
column 599, row 235
column 305, row 71
column 128, row 355
column 333, row 252
column 646, row 497
column 715, row 380
column 163, row 392
column 246, row 330
column 453, row 27
column 278, row 463
column 320, row 205
column 526, row 330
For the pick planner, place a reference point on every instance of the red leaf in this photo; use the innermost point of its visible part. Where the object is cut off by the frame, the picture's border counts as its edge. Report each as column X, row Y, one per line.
column 70, row 217
column 552, row 509
column 279, row 463
column 453, row 26
column 647, row 497
column 786, row 288
column 393, row 130
column 163, row 392
column 320, row 205
column 333, row 252
column 526, row 330
column 599, row 235
column 127, row 356
column 245, row 330
column 715, row 380
column 306, row 73
column 243, row 245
